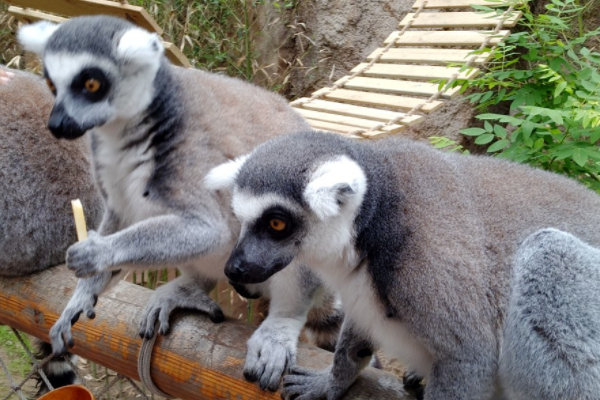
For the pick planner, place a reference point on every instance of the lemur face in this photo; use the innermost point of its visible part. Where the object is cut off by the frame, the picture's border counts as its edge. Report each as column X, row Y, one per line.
column 272, row 232
column 100, row 69
column 291, row 202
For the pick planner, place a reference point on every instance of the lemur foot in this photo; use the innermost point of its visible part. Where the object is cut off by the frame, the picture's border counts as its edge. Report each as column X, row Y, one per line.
column 305, row 384
column 89, row 257
column 271, row 349
column 176, row 294
column 60, row 333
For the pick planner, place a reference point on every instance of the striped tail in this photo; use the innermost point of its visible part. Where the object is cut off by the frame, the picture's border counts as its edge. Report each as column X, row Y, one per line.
column 58, row 371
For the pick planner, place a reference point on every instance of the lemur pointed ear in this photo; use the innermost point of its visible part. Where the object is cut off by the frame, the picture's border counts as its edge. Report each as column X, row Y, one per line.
column 334, row 184
column 140, row 48
column 33, row 37
column 222, row 177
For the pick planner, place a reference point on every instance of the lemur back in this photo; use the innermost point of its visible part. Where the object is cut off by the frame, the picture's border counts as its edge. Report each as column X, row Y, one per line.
column 39, row 176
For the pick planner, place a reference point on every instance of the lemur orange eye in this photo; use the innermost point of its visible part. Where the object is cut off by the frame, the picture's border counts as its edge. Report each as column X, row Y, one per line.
column 92, row 85
column 50, row 85
column 277, row 224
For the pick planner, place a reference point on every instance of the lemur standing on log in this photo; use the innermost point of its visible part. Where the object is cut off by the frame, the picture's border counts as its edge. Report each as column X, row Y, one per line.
column 156, row 130
column 418, row 243
column 39, row 176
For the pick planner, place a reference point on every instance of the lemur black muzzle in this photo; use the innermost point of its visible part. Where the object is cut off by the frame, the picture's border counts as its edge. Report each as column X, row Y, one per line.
column 63, row 126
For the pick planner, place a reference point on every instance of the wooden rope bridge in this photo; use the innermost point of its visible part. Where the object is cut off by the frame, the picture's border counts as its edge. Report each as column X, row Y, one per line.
column 388, row 92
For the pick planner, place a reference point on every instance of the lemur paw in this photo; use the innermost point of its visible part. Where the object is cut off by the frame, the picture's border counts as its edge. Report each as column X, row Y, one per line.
column 60, row 333
column 89, row 257
column 176, row 294
column 306, row 384
column 271, row 349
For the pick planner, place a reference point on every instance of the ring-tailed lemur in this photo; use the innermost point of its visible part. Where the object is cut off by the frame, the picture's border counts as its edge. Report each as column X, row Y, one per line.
column 156, row 130
column 417, row 242
column 551, row 346
column 39, row 176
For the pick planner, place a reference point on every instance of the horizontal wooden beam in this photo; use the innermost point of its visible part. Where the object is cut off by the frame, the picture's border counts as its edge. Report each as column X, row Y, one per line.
column 73, row 8
column 196, row 360
column 394, row 86
column 459, row 20
column 446, row 38
column 458, row 3
column 429, row 56
column 28, row 16
column 420, row 72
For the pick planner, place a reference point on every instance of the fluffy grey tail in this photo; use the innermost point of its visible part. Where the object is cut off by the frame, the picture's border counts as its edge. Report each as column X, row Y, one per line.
column 58, row 371
column 551, row 346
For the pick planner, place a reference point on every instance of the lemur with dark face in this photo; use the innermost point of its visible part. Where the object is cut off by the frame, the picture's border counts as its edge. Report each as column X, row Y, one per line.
column 418, row 243
column 156, row 130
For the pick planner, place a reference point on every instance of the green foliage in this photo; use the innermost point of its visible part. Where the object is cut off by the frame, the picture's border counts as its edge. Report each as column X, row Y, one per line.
column 548, row 79
column 442, row 142
column 18, row 360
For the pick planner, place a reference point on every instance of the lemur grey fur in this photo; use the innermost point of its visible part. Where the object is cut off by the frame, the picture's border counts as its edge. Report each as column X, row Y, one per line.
column 39, row 176
column 551, row 346
column 156, row 130
column 418, row 243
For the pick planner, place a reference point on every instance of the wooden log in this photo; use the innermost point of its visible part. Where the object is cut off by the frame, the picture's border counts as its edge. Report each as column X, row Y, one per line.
column 446, row 38
column 379, row 85
column 72, row 8
column 422, row 72
column 196, row 360
column 459, row 20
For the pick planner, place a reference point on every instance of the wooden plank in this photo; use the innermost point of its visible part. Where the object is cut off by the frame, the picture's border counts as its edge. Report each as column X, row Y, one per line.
column 72, row 8
column 446, row 38
column 381, row 100
column 458, row 3
column 424, row 72
column 409, row 88
column 429, row 56
column 351, row 110
column 196, row 360
column 345, row 120
column 332, row 127
column 459, row 20
column 176, row 56
column 28, row 16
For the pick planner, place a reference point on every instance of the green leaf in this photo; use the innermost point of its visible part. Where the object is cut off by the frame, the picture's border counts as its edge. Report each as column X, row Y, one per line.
column 538, row 144
column 488, row 126
column 472, row 131
column 580, row 157
column 499, row 145
column 527, row 129
column 485, row 138
column 500, row 131
column 559, row 88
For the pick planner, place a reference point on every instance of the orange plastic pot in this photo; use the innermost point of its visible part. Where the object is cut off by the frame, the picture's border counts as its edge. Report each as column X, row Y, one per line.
column 71, row 392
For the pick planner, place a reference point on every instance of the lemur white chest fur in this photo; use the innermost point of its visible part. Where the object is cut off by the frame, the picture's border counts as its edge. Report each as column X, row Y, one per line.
column 349, row 280
column 123, row 172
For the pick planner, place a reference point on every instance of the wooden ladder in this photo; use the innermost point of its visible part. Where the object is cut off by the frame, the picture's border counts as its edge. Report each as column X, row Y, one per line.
column 392, row 89
column 28, row 11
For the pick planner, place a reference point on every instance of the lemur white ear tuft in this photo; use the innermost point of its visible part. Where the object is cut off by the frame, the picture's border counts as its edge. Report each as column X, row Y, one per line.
column 223, row 176
column 33, row 37
column 140, row 48
column 334, row 184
